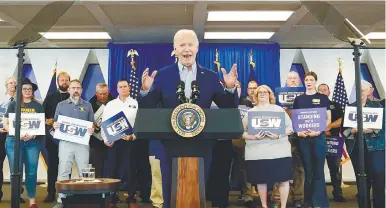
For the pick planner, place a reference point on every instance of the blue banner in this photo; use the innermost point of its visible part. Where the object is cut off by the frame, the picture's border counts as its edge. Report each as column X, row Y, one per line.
column 116, row 126
column 273, row 122
column 313, row 119
column 285, row 96
column 335, row 146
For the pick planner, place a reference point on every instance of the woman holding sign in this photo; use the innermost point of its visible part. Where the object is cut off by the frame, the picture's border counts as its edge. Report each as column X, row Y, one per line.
column 29, row 144
column 313, row 145
column 268, row 154
column 374, row 151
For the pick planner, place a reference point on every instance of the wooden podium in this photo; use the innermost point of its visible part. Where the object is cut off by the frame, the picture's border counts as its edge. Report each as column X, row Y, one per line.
column 188, row 179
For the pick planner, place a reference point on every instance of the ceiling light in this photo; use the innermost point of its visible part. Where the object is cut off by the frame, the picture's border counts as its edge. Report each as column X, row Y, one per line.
column 76, row 35
column 249, row 15
column 238, row 35
column 376, row 35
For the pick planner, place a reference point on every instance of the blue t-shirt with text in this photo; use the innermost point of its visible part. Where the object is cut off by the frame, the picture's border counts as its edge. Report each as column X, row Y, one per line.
column 316, row 100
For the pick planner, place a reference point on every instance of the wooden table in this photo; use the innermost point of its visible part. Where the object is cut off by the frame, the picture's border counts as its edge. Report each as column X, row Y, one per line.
column 83, row 194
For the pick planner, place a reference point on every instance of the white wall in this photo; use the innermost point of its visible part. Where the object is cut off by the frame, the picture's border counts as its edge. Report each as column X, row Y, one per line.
column 75, row 62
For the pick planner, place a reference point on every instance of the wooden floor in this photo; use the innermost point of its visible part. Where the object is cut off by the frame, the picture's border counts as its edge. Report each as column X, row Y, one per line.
column 349, row 193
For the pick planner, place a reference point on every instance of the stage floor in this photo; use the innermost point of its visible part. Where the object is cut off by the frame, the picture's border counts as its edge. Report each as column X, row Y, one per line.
column 349, row 193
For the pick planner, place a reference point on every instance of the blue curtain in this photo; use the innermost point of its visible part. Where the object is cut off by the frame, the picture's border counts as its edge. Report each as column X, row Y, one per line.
column 157, row 56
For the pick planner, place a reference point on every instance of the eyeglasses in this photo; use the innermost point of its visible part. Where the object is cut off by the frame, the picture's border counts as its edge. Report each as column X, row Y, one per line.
column 263, row 92
column 27, row 89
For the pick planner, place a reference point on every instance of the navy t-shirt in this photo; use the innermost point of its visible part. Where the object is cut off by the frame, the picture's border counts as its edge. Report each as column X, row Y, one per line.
column 312, row 101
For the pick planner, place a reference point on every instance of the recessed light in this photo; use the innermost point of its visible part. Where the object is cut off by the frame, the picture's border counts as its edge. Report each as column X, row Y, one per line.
column 76, row 35
column 238, row 35
column 249, row 15
column 376, row 35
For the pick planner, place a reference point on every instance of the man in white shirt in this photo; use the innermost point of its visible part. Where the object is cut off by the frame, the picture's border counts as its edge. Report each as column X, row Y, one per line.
column 10, row 92
column 122, row 153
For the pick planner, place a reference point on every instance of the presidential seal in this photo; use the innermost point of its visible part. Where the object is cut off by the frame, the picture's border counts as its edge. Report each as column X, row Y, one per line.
column 188, row 120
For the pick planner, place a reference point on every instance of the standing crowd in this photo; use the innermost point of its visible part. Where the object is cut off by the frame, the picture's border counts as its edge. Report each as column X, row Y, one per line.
column 285, row 167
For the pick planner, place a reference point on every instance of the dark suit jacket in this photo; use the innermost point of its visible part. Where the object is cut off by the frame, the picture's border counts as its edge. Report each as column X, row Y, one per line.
column 163, row 93
column 164, row 88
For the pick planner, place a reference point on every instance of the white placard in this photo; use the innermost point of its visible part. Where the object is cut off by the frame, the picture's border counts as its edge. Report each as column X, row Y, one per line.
column 98, row 122
column 73, row 130
column 30, row 124
column 372, row 117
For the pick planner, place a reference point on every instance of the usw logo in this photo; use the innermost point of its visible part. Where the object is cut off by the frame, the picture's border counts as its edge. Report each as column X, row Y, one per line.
column 266, row 122
column 117, row 127
column 73, row 130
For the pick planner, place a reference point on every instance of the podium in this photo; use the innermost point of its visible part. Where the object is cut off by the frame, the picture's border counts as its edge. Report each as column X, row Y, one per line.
column 188, row 179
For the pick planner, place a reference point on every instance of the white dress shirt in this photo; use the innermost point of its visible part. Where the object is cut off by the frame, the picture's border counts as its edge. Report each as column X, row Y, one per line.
column 129, row 107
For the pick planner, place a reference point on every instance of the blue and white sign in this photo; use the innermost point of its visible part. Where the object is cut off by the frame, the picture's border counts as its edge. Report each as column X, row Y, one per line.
column 30, row 124
column 372, row 117
column 116, row 126
column 273, row 122
column 285, row 96
column 73, row 130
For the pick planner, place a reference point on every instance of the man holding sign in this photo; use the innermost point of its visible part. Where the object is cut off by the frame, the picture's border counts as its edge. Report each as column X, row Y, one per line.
column 117, row 124
column 335, row 145
column 73, row 126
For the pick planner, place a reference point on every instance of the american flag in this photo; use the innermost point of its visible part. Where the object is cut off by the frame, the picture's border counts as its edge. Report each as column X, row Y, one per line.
column 134, row 84
column 340, row 95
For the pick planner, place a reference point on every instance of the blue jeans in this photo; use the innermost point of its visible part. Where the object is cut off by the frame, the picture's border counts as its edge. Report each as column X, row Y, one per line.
column 313, row 153
column 29, row 154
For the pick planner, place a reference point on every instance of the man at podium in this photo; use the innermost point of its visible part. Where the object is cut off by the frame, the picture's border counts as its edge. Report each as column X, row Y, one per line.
column 160, row 88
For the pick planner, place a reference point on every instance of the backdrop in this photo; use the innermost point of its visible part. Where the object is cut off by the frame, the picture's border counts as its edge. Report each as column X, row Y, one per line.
column 266, row 59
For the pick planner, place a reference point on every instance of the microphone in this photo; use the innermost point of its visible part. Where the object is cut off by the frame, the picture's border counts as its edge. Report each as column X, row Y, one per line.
column 181, row 92
column 195, row 92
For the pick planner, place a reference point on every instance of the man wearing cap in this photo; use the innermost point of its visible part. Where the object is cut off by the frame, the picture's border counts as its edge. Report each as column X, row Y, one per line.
column 74, row 107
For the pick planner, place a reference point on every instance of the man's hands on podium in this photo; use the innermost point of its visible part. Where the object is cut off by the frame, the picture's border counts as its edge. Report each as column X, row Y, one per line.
column 230, row 79
column 147, row 81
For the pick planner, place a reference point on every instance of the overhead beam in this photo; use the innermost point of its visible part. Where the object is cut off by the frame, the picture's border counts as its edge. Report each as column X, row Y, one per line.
column 19, row 26
column 102, row 18
column 290, row 23
column 200, row 13
column 366, row 31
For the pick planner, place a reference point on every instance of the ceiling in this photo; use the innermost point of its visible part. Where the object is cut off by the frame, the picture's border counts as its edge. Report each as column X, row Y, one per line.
column 157, row 21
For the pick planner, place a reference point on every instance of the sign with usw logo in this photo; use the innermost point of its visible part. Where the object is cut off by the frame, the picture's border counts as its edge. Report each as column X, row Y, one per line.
column 273, row 122
column 31, row 124
column 372, row 117
column 285, row 96
column 73, row 130
column 116, row 126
